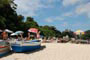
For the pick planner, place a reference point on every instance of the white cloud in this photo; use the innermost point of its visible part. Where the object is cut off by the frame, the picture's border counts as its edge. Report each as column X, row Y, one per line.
column 59, row 18
column 29, row 7
column 64, row 24
column 49, row 20
column 68, row 14
column 83, row 9
column 79, row 24
column 50, row 1
column 70, row 2
column 54, row 19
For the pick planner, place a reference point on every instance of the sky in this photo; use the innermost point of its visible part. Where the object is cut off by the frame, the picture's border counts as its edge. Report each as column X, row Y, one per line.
column 63, row 14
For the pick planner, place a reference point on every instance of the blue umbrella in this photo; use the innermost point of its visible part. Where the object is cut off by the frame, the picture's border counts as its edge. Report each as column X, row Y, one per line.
column 14, row 34
column 19, row 32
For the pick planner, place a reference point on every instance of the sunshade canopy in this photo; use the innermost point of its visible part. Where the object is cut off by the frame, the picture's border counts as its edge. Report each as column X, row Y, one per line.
column 78, row 32
column 34, row 30
column 8, row 31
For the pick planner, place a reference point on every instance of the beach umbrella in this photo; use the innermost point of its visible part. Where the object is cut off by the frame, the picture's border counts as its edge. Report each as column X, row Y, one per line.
column 78, row 32
column 8, row 31
column 19, row 32
column 33, row 30
column 1, row 30
column 14, row 34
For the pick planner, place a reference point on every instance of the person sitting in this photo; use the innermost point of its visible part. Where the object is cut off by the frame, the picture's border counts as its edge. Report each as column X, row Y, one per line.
column 4, row 35
column 28, row 38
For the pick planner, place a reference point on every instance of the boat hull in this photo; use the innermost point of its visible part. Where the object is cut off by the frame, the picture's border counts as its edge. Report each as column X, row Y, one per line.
column 25, row 47
column 4, row 51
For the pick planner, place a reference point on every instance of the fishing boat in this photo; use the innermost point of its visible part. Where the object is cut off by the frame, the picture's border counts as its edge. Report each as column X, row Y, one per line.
column 24, row 46
column 4, row 48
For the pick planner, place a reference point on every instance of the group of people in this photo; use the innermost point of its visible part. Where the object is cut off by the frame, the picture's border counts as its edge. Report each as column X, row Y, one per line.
column 5, row 35
column 37, row 36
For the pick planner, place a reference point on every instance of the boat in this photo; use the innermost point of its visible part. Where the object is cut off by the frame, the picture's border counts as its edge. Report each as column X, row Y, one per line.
column 25, row 46
column 4, row 48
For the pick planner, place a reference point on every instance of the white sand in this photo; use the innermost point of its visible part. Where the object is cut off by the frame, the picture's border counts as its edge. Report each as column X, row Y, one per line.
column 55, row 51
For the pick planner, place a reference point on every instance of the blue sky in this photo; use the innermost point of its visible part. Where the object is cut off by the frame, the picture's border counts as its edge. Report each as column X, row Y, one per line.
column 63, row 14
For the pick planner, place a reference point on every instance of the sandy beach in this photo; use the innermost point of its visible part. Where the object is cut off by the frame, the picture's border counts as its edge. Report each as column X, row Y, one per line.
column 54, row 51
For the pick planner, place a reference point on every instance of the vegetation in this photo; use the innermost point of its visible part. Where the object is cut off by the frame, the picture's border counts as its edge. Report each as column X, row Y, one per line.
column 86, row 35
column 69, row 33
column 49, row 31
column 8, row 15
column 10, row 20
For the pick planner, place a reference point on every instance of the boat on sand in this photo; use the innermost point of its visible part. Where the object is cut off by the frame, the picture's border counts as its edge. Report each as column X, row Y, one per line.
column 4, row 48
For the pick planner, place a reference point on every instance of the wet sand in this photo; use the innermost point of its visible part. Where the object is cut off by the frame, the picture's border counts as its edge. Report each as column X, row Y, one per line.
column 54, row 51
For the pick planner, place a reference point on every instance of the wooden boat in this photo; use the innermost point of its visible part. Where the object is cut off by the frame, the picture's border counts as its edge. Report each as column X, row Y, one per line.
column 24, row 46
column 4, row 48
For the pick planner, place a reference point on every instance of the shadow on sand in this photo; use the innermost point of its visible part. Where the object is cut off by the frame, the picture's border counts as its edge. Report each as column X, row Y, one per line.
column 9, row 53
column 30, row 52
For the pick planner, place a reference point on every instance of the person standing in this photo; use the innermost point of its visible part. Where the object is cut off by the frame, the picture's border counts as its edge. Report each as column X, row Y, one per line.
column 28, row 38
column 38, row 35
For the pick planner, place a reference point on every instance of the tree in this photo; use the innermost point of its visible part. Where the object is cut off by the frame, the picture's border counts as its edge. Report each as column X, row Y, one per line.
column 69, row 33
column 49, row 31
column 30, row 23
column 7, row 11
column 2, row 24
column 10, row 20
column 86, row 35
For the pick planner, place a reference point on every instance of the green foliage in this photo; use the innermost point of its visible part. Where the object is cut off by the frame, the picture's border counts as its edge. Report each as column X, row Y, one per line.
column 49, row 31
column 7, row 2
column 69, row 33
column 10, row 20
column 4, row 2
column 9, row 15
column 86, row 35
column 30, row 23
column 2, row 22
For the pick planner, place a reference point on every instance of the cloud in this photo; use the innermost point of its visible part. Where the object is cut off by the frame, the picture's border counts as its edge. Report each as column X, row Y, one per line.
column 50, row 1
column 64, row 24
column 54, row 19
column 49, row 20
column 29, row 7
column 67, row 14
column 83, row 9
column 79, row 24
column 70, row 2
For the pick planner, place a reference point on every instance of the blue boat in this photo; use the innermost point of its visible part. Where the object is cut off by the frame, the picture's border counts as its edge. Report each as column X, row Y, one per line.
column 25, row 46
column 34, row 40
column 4, row 48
